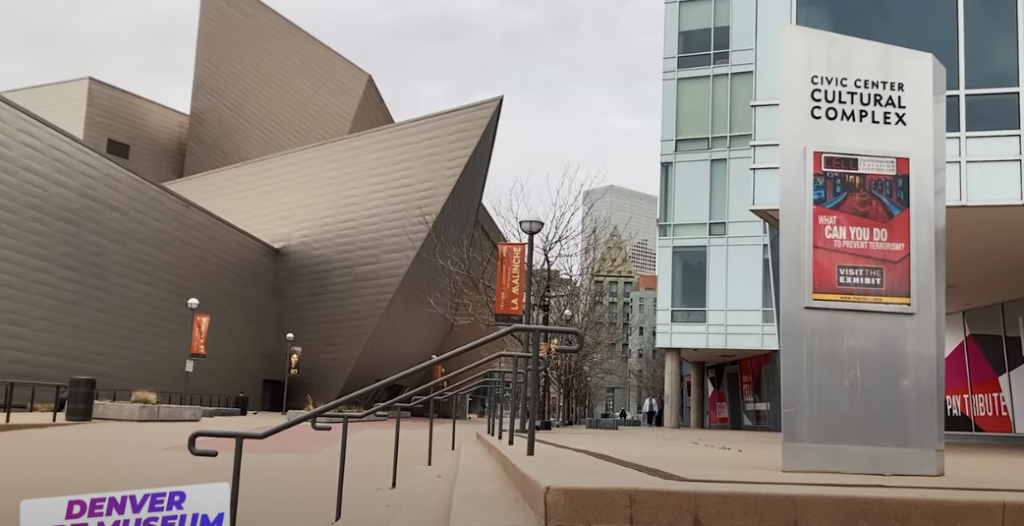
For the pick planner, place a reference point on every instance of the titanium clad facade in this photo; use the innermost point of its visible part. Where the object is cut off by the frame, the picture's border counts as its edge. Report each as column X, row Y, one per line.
column 96, row 265
column 263, row 86
column 61, row 103
column 154, row 133
column 351, row 217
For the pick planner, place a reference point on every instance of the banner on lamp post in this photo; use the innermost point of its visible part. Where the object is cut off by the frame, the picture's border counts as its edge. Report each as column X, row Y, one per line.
column 294, row 356
column 200, row 329
column 511, row 278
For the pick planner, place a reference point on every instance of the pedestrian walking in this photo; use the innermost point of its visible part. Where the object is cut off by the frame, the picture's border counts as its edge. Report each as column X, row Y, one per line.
column 650, row 409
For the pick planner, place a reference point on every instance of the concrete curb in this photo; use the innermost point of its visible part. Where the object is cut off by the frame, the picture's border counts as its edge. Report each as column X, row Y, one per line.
column 533, row 493
column 709, row 504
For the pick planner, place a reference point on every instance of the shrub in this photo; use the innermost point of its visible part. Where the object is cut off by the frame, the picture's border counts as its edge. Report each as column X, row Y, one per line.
column 144, row 397
column 309, row 404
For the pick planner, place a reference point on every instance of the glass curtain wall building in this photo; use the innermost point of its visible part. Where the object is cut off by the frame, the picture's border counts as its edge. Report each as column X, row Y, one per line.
column 714, row 270
column 981, row 46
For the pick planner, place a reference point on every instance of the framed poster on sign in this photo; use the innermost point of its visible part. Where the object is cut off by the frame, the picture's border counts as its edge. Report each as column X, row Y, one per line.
column 860, row 250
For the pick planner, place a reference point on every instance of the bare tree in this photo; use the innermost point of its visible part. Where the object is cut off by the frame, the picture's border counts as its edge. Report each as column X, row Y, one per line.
column 565, row 254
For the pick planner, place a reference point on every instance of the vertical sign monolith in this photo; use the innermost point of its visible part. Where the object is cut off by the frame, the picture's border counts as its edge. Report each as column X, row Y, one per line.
column 862, row 212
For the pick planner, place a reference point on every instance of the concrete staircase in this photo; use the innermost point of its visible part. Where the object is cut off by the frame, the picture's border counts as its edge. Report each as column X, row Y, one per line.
column 483, row 495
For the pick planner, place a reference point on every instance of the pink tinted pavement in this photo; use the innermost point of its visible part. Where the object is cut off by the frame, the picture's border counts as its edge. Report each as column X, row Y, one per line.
column 290, row 478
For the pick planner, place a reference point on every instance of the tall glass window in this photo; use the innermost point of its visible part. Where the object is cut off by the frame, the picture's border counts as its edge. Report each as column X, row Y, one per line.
column 693, row 107
column 990, row 44
column 703, row 33
column 953, row 114
column 718, row 209
column 714, row 112
column 689, row 278
column 925, row 25
column 992, row 112
column 741, row 115
column 664, row 210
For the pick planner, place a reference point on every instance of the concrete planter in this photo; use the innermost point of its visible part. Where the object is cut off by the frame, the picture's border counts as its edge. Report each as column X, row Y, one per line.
column 221, row 411
column 611, row 424
column 127, row 412
column 336, row 418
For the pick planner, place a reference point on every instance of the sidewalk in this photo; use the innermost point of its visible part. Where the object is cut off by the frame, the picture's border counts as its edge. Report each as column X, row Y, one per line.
column 287, row 479
column 666, row 477
column 753, row 457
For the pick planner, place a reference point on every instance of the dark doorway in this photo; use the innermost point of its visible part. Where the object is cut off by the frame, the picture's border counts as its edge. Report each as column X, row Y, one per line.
column 732, row 394
column 271, row 399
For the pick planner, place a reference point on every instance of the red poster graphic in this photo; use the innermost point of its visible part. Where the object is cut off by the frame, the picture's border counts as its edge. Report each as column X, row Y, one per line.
column 861, row 229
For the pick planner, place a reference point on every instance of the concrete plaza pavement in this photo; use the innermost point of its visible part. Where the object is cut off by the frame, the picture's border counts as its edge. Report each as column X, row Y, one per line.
column 756, row 457
column 290, row 478
column 684, row 477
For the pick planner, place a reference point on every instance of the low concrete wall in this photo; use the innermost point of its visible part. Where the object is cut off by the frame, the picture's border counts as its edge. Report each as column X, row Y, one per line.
column 336, row 418
column 611, row 424
column 128, row 412
column 624, row 497
column 209, row 412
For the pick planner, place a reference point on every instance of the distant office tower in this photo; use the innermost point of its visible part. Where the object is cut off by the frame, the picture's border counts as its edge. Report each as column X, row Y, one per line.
column 634, row 214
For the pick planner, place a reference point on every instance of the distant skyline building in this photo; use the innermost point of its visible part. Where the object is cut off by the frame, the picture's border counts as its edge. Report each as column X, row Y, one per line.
column 633, row 213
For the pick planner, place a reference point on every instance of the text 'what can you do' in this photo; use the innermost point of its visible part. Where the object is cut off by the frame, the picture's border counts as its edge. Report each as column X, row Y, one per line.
column 843, row 99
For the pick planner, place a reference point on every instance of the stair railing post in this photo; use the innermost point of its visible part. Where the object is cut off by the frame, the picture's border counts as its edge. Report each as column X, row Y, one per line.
column 430, row 432
column 236, row 476
column 398, row 431
column 501, row 405
column 455, row 402
column 514, row 402
column 341, row 468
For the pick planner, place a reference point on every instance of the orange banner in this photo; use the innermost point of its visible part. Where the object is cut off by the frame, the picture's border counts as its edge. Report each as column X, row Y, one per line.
column 200, row 328
column 509, row 294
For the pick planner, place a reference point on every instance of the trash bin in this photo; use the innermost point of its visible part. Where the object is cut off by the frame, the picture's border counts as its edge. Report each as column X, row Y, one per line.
column 242, row 403
column 81, row 397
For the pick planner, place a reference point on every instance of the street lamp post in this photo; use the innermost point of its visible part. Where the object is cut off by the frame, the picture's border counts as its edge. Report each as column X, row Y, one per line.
column 531, row 226
column 545, row 307
column 287, row 370
column 192, row 305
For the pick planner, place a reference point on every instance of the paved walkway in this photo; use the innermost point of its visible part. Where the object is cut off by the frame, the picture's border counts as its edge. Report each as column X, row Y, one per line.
column 664, row 477
column 756, row 457
column 287, row 479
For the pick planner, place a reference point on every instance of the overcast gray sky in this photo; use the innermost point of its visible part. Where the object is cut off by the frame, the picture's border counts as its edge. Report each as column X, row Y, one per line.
column 581, row 78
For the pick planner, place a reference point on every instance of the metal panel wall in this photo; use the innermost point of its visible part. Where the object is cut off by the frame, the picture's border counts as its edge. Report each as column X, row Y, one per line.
column 96, row 265
column 262, row 86
column 61, row 103
column 155, row 133
column 350, row 216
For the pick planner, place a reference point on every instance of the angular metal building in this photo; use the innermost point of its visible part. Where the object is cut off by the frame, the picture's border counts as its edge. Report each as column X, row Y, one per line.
column 287, row 201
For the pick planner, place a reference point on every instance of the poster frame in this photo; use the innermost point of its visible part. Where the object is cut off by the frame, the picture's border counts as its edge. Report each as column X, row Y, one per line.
column 808, row 233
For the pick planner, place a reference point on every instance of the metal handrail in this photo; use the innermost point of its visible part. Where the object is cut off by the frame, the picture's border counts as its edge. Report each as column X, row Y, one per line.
column 240, row 436
column 9, row 396
column 433, row 383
